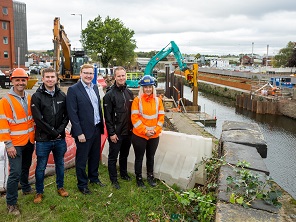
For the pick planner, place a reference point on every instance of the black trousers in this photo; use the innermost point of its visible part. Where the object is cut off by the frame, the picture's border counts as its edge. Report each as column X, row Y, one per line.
column 19, row 172
column 88, row 152
column 122, row 147
column 141, row 146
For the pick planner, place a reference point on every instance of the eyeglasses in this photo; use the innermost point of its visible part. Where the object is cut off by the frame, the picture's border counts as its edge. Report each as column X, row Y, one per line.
column 88, row 73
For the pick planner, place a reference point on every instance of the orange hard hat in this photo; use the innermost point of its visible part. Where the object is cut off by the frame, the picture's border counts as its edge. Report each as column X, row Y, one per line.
column 19, row 73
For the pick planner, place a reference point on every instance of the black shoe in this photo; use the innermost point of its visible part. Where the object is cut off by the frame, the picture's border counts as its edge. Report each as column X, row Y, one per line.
column 98, row 183
column 115, row 184
column 151, row 181
column 32, row 191
column 140, row 183
column 126, row 177
column 85, row 191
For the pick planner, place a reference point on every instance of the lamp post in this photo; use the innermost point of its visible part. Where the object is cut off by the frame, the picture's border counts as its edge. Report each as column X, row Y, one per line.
column 80, row 25
column 99, row 56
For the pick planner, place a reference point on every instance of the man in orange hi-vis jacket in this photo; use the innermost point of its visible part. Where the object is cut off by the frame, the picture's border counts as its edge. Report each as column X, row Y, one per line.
column 17, row 132
column 147, row 119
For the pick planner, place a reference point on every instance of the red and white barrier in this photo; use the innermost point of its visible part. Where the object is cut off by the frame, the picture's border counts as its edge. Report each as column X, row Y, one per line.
column 69, row 159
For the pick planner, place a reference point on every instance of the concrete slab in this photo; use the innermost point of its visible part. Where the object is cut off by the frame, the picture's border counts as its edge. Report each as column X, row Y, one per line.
column 233, row 213
column 237, row 152
column 246, row 137
column 232, row 125
column 223, row 195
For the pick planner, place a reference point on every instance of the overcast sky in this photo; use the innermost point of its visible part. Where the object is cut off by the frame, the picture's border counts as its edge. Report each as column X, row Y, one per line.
column 206, row 27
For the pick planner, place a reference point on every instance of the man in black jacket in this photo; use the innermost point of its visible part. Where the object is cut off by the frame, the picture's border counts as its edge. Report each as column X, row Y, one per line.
column 117, row 113
column 49, row 111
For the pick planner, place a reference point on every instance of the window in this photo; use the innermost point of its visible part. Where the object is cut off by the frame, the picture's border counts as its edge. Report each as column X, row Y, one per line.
column 5, row 11
column 5, row 54
column 5, row 40
column 4, row 25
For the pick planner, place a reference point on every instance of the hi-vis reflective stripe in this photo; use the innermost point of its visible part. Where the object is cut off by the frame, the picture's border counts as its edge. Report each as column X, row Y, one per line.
column 21, row 132
column 161, row 112
column 150, row 116
column 18, row 121
column 11, row 106
column 15, row 120
column 137, row 123
column 4, row 131
column 2, row 117
column 150, row 127
column 159, row 123
column 135, row 111
column 156, row 108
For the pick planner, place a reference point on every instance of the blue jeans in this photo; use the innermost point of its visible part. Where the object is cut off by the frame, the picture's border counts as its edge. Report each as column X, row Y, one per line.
column 19, row 172
column 58, row 148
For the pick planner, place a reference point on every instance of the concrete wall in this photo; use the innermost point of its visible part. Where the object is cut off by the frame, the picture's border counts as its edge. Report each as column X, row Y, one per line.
column 258, row 104
column 218, row 90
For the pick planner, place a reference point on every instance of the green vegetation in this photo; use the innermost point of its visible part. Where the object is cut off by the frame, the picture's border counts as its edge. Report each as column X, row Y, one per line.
column 109, row 41
column 286, row 56
column 246, row 187
column 130, row 203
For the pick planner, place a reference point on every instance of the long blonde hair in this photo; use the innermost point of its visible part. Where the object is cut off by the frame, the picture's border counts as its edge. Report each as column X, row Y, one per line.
column 141, row 91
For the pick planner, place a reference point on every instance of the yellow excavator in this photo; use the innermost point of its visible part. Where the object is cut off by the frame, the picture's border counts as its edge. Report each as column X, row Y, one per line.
column 66, row 62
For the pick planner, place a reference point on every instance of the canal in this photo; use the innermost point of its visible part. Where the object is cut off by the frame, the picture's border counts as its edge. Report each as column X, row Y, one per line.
column 278, row 131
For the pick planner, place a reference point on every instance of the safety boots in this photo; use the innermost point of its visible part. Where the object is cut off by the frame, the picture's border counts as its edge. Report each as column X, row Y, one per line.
column 151, row 180
column 140, row 182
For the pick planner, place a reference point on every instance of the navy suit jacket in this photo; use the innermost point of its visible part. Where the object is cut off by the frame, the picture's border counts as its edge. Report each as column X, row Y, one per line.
column 81, row 112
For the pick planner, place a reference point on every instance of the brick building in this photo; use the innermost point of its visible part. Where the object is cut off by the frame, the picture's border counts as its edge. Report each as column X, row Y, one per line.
column 13, row 34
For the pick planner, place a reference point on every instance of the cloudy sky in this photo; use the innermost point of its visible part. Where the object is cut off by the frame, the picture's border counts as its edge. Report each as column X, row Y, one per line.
column 206, row 27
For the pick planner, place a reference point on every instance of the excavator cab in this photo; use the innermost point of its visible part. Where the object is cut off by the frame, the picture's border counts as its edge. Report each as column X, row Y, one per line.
column 78, row 59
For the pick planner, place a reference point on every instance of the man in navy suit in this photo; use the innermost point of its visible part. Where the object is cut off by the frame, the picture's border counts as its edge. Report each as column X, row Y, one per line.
column 85, row 113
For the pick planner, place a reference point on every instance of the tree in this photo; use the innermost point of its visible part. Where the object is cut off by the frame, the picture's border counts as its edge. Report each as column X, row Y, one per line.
column 284, row 55
column 292, row 60
column 110, row 40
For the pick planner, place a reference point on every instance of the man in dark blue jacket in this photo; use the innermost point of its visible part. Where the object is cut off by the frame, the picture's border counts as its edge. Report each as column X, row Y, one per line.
column 85, row 114
column 49, row 111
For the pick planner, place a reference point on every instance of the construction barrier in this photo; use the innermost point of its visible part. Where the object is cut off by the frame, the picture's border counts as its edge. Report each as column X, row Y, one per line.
column 177, row 157
column 69, row 160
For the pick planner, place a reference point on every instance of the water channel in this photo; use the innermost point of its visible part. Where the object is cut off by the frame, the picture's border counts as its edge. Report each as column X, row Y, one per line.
column 278, row 131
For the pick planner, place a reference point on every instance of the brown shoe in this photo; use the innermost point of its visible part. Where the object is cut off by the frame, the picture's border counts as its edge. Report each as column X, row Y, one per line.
column 38, row 198
column 13, row 209
column 62, row 192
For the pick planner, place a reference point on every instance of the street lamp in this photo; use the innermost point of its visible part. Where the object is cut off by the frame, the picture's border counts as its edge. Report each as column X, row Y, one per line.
column 99, row 56
column 80, row 24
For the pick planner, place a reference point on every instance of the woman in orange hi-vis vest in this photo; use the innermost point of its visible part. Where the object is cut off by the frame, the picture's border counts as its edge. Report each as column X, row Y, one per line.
column 147, row 118
column 17, row 132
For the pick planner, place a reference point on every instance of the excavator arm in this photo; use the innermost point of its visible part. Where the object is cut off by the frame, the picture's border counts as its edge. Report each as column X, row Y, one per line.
column 67, row 63
column 163, row 54
column 169, row 48
column 61, row 41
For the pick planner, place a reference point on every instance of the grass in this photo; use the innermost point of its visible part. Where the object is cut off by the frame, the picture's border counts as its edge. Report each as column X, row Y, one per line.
column 130, row 203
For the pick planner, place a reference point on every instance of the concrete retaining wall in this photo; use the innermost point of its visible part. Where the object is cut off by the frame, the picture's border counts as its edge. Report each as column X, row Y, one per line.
column 218, row 90
column 256, row 104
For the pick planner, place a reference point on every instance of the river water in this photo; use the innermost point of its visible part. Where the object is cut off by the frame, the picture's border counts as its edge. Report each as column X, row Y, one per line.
column 279, row 133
